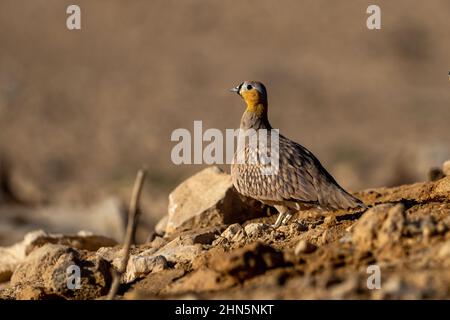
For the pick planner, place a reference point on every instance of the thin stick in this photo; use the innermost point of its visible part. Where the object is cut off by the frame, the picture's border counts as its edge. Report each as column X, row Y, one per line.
column 133, row 219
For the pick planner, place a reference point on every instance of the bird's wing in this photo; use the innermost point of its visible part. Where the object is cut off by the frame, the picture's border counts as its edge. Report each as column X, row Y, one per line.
column 297, row 170
column 308, row 180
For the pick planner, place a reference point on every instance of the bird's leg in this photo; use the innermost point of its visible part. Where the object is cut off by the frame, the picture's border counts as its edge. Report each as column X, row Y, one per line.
column 283, row 212
column 287, row 217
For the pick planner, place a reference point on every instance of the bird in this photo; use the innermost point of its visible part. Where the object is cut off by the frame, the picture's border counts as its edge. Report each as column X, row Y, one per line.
column 300, row 182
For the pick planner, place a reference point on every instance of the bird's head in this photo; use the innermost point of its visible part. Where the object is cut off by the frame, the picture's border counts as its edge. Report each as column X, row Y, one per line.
column 254, row 94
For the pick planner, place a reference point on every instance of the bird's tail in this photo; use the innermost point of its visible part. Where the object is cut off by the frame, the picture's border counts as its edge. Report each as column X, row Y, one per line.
column 341, row 199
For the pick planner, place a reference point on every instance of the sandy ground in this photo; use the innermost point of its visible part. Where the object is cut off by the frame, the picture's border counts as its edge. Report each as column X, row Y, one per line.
column 405, row 236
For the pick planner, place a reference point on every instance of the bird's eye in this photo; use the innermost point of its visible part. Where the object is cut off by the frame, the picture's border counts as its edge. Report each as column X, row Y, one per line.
column 249, row 86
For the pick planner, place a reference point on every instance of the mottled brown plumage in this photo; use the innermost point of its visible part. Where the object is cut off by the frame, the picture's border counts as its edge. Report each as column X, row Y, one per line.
column 300, row 182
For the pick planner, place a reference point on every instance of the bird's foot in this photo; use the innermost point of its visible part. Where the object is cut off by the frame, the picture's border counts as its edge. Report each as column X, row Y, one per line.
column 279, row 221
column 286, row 218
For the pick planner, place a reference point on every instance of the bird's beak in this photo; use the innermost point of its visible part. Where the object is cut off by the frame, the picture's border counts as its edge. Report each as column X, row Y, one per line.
column 235, row 89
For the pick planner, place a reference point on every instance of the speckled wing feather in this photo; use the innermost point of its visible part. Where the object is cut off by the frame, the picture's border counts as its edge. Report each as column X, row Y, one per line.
column 310, row 181
column 300, row 178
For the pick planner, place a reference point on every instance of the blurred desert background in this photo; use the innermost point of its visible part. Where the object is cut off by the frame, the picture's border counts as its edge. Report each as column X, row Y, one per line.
column 82, row 111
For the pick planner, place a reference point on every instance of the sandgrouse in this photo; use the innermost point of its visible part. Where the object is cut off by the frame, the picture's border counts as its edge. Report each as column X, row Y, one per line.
column 299, row 182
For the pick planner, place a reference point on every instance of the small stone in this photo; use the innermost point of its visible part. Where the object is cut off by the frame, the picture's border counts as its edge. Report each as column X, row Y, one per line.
column 141, row 265
column 155, row 260
column 304, row 247
column 255, row 229
column 234, row 233
column 158, row 242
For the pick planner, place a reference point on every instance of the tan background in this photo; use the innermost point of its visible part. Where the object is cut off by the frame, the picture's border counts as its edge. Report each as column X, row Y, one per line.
column 81, row 111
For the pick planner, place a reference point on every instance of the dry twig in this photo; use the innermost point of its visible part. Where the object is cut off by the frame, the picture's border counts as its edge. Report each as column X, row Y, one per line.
column 133, row 218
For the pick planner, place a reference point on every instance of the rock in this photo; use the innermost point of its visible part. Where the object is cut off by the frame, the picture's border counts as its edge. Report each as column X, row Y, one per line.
column 365, row 230
column 234, row 233
column 446, row 168
column 208, row 199
column 392, row 228
column 246, row 262
column 178, row 251
column 47, row 268
column 304, row 247
column 161, row 226
column 379, row 226
column 140, row 265
column 254, row 230
column 11, row 256
column 158, row 242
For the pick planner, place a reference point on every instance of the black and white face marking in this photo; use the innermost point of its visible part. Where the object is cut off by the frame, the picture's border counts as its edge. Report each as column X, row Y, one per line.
column 249, row 85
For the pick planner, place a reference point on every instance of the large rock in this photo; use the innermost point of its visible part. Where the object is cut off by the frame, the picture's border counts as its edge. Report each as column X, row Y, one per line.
column 181, row 250
column 10, row 257
column 46, row 270
column 206, row 199
column 378, row 227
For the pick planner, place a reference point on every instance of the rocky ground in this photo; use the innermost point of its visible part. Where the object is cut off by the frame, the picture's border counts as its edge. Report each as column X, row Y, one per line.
column 214, row 244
